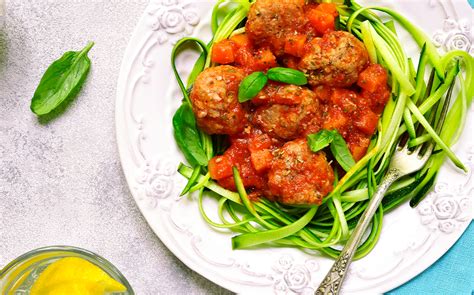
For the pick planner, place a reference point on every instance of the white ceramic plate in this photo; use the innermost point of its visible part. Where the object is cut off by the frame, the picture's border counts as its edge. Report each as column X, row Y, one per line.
column 411, row 240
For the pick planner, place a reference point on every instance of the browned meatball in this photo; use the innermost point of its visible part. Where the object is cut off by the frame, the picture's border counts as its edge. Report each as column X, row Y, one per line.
column 215, row 100
column 299, row 176
column 271, row 21
column 290, row 121
column 336, row 59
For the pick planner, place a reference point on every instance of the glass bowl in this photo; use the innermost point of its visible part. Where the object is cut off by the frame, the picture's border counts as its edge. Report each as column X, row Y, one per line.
column 20, row 274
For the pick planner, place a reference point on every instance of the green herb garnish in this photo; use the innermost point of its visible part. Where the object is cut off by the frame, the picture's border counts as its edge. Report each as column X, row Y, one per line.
column 288, row 76
column 61, row 81
column 251, row 86
column 336, row 142
column 188, row 136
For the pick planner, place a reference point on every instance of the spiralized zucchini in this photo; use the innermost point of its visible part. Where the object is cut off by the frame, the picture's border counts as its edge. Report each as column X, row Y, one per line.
column 413, row 110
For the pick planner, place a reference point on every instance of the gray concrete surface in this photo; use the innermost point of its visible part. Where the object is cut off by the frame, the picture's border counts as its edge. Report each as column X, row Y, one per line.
column 61, row 182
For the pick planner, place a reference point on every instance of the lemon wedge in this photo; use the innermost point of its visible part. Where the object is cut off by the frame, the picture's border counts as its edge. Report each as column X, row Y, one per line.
column 74, row 276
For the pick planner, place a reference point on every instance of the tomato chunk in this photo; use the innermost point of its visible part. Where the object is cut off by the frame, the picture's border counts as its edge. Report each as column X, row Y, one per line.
column 244, row 57
column 294, row 45
column 345, row 99
column 241, row 41
column 220, row 167
column 359, row 149
column 223, row 52
column 322, row 22
column 335, row 119
column 291, row 61
column 372, row 78
column 367, row 122
column 237, row 155
column 259, row 142
column 264, row 59
column 323, row 93
column 261, row 160
column 330, row 8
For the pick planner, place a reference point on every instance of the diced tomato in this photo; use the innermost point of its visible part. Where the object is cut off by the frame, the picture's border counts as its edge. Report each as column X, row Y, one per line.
column 359, row 149
column 335, row 119
column 264, row 60
column 259, row 142
column 223, row 52
column 363, row 102
column 237, row 155
column 241, row 41
column 323, row 93
column 378, row 99
column 295, row 45
column 259, row 145
column 345, row 99
column 261, row 160
column 244, row 57
column 322, row 22
column 261, row 60
column 220, row 167
column 372, row 78
column 367, row 122
column 330, row 8
column 291, row 61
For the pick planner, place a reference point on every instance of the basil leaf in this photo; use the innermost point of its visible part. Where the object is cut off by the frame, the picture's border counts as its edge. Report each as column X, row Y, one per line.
column 320, row 140
column 62, row 80
column 188, row 137
column 339, row 149
column 341, row 152
column 251, row 86
column 288, row 76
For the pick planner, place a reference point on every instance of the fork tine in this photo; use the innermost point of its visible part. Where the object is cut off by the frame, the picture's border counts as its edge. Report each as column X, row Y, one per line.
column 418, row 149
column 404, row 147
column 444, row 111
column 429, row 90
column 428, row 152
column 440, row 122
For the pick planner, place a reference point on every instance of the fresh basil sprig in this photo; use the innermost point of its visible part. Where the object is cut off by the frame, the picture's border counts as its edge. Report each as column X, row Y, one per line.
column 320, row 140
column 341, row 152
column 288, row 76
column 338, row 146
column 255, row 82
column 187, row 136
column 62, row 80
column 251, row 86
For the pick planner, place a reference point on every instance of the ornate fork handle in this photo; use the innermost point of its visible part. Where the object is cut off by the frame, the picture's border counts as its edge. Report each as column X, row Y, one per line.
column 331, row 285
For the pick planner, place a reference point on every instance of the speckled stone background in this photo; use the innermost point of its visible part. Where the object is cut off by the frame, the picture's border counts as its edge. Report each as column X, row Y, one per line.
column 61, row 181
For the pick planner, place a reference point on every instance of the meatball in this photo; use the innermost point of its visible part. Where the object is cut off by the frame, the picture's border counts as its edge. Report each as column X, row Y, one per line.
column 299, row 176
column 336, row 59
column 271, row 21
column 215, row 100
column 288, row 122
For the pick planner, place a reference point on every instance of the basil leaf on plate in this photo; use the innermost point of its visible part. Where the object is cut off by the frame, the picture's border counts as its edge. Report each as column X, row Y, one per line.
column 62, row 80
column 320, row 140
column 336, row 142
column 288, row 76
column 251, row 86
column 341, row 152
column 188, row 136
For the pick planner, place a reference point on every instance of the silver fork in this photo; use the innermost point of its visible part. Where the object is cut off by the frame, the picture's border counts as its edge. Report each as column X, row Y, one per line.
column 403, row 162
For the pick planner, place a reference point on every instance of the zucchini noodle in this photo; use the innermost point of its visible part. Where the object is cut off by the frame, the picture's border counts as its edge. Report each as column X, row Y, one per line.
column 413, row 111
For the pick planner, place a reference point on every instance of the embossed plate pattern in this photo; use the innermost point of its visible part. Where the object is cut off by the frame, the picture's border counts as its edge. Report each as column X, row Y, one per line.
column 411, row 240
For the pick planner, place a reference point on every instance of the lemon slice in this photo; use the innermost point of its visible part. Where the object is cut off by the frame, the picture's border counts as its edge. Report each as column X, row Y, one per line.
column 74, row 276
